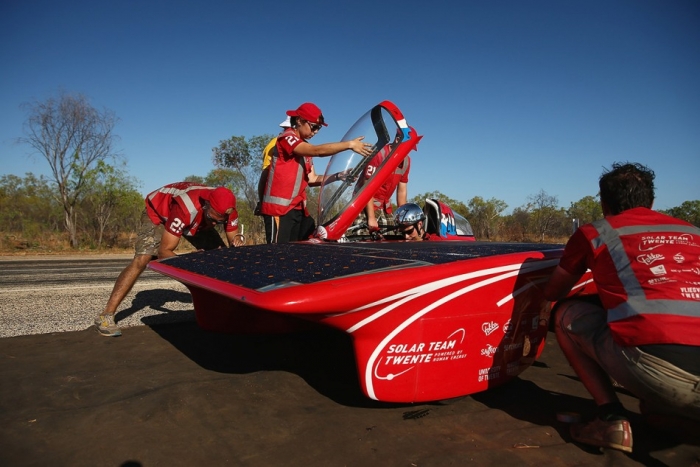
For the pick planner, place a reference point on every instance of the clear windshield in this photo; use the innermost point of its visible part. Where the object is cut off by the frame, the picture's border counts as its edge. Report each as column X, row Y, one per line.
column 348, row 168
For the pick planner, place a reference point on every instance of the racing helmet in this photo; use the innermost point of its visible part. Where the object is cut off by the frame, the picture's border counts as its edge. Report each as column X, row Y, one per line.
column 409, row 214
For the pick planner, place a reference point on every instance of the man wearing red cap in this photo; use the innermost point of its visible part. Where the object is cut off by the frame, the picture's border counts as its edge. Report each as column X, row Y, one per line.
column 173, row 211
column 284, row 195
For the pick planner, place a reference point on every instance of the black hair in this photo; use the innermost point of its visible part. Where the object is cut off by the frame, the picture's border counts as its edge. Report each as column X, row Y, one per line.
column 626, row 186
column 294, row 120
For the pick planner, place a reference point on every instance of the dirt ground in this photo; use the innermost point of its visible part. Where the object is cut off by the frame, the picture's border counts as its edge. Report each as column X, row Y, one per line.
column 172, row 394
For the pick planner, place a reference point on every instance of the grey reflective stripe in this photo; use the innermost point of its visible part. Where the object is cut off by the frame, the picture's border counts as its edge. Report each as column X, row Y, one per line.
column 635, row 229
column 611, row 238
column 401, row 169
column 634, row 305
column 637, row 303
column 268, row 198
column 191, row 208
column 181, row 194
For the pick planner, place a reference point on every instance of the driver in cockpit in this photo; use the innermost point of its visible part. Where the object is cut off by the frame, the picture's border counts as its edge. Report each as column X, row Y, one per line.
column 410, row 220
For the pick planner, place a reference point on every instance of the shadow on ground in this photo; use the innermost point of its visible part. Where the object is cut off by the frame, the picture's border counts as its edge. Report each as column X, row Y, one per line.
column 525, row 400
column 156, row 299
column 323, row 357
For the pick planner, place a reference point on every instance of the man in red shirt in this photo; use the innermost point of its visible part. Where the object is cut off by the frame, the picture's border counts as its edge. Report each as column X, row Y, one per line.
column 643, row 329
column 174, row 211
column 284, row 195
column 379, row 210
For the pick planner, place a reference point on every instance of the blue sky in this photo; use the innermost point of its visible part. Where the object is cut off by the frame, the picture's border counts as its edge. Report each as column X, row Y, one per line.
column 512, row 97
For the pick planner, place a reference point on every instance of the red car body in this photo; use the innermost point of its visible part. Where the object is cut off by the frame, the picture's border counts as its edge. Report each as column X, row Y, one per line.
column 428, row 320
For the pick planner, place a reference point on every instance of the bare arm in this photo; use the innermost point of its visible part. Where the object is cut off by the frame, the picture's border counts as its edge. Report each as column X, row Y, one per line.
column 168, row 243
column 371, row 217
column 560, row 284
column 328, row 149
column 402, row 194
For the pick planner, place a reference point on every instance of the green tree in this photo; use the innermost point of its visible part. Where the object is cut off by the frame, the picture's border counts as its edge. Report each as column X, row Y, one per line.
column 585, row 210
column 689, row 211
column 485, row 215
column 543, row 209
column 245, row 157
column 73, row 137
column 111, row 200
column 29, row 206
column 457, row 206
column 195, row 179
column 517, row 224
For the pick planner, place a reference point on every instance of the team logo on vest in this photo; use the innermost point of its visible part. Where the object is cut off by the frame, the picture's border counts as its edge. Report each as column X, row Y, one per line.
column 649, row 242
column 650, row 258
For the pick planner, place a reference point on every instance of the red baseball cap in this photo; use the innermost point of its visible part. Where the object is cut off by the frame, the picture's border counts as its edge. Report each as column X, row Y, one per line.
column 309, row 112
column 222, row 200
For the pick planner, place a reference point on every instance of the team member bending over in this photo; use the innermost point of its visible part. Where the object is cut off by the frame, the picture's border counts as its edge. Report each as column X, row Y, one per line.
column 173, row 211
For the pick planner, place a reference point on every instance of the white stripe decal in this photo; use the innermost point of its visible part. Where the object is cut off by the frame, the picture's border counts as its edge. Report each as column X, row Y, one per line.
column 370, row 363
column 509, row 271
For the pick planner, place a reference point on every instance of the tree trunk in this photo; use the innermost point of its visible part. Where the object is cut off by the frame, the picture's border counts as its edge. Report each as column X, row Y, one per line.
column 71, row 227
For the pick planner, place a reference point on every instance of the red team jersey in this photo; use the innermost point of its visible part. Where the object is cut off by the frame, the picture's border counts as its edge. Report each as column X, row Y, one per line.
column 178, row 207
column 646, row 266
column 287, row 180
column 382, row 198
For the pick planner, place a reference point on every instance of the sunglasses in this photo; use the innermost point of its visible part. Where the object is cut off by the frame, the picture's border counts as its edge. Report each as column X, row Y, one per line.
column 207, row 214
column 408, row 231
column 314, row 126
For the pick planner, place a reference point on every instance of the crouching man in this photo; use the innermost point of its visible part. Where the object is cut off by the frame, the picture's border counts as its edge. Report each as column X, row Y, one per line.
column 644, row 332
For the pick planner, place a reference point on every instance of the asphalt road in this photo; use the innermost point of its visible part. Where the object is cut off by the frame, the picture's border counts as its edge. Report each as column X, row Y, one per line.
column 167, row 393
column 64, row 293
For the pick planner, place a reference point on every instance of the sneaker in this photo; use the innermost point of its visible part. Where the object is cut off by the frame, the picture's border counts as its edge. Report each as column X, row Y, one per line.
column 615, row 434
column 106, row 326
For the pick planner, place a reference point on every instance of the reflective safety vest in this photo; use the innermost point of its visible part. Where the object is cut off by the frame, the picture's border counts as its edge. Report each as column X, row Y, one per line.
column 286, row 181
column 647, row 270
column 187, row 195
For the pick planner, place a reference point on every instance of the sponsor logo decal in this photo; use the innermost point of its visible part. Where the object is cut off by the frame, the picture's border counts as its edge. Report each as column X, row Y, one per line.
column 649, row 258
column 489, row 350
column 650, row 242
column 692, row 293
column 488, row 374
column 489, row 327
column 658, row 280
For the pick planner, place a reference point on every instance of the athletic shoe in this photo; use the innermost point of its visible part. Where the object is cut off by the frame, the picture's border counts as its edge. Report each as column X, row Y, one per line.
column 106, row 326
column 615, row 434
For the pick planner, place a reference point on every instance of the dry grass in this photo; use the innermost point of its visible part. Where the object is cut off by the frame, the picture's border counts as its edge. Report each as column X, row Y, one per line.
column 58, row 244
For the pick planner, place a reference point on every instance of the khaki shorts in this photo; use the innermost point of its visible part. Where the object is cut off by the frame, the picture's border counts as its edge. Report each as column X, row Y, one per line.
column 149, row 235
column 651, row 379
